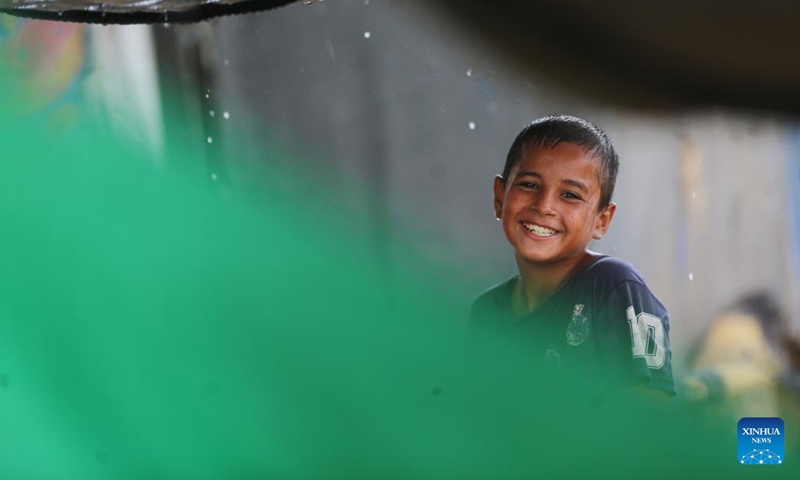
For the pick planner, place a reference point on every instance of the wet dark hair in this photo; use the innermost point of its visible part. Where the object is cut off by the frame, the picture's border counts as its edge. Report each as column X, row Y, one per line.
column 551, row 130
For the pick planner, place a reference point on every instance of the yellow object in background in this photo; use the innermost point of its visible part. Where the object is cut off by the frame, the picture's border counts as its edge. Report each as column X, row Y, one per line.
column 742, row 357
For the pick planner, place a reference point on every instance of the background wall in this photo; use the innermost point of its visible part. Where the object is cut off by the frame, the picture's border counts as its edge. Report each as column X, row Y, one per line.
column 413, row 119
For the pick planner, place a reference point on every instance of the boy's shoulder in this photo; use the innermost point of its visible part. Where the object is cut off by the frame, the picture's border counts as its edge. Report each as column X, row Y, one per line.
column 613, row 280
column 496, row 296
column 605, row 280
column 611, row 272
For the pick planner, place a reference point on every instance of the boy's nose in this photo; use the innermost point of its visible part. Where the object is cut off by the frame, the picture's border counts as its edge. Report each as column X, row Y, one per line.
column 544, row 203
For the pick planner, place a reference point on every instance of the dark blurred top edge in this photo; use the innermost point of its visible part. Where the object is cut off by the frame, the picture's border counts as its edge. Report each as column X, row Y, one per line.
column 127, row 14
column 659, row 54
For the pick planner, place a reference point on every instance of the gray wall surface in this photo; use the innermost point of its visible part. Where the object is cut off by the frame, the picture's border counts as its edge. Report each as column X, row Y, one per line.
column 407, row 111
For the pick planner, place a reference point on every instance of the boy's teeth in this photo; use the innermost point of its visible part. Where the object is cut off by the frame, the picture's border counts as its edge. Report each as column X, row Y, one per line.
column 543, row 231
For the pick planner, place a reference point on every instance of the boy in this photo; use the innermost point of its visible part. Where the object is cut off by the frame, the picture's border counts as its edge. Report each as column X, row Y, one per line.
column 577, row 311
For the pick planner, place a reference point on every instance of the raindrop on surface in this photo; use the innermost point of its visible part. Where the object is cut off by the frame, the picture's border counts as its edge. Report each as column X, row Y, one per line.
column 469, row 72
column 210, row 140
column 691, row 277
column 208, row 96
column 472, row 125
column 60, row 13
column 166, row 25
column 226, row 62
column 214, row 177
column 367, row 34
column 211, row 113
column 226, row 115
column 694, row 194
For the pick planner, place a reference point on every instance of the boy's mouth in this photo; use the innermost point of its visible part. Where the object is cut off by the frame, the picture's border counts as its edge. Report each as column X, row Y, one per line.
column 539, row 230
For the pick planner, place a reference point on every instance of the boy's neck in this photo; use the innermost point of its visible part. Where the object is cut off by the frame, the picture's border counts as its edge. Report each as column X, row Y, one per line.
column 537, row 282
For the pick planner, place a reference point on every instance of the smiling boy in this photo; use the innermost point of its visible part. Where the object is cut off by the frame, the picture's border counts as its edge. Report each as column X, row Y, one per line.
column 577, row 310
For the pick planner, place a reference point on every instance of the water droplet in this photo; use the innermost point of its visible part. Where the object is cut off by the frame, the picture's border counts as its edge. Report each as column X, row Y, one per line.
column 469, row 72
column 214, row 177
column 211, row 113
column 166, row 25
column 367, row 34
column 226, row 62
column 691, row 277
column 210, row 140
column 308, row 2
column 694, row 194
column 226, row 115
column 472, row 125
column 60, row 13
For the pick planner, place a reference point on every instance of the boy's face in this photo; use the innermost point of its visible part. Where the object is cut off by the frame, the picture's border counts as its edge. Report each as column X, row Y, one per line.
column 548, row 205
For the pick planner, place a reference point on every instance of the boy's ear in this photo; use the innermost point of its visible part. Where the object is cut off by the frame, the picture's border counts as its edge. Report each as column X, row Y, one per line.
column 499, row 195
column 604, row 220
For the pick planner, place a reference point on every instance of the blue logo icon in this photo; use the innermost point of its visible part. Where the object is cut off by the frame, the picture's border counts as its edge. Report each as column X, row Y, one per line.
column 761, row 441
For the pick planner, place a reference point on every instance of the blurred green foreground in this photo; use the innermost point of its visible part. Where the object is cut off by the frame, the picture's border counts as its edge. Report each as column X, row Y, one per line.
column 153, row 328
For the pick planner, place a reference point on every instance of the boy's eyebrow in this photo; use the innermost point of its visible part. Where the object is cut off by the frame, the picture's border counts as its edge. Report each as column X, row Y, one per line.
column 575, row 183
column 529, row 174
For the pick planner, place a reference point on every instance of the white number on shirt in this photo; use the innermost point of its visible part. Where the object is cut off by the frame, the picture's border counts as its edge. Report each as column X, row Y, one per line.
column 647, row 335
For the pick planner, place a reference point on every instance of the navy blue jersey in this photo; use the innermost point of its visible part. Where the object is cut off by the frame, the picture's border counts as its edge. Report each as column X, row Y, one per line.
column 603, row 321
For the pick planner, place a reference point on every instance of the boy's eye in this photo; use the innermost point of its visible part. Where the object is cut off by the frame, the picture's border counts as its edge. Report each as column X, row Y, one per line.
column 571, row 195
column 529, row 185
